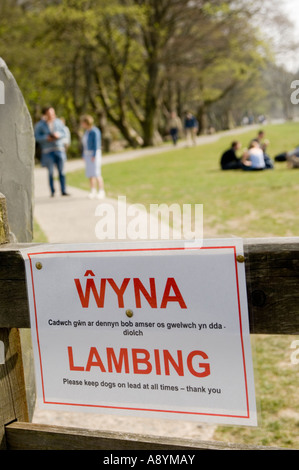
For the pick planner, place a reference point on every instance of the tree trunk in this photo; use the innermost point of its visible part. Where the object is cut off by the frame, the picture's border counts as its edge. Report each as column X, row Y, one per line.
column 202, row 118
column 151, row 103
column 119, row 120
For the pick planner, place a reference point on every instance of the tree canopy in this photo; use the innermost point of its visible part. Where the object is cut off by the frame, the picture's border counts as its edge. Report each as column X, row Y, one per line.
column 132, row 62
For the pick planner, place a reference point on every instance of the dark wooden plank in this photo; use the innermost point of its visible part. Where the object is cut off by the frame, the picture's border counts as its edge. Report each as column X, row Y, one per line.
column 15, row 305
column 272, row 276
column 11, row 264
column 13, row 290
column 27, row 436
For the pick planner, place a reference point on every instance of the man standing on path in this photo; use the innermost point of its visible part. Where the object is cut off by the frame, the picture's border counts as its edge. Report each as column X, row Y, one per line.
column 50, row 134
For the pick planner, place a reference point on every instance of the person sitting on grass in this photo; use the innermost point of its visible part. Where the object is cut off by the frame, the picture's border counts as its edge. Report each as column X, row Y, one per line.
column 253, row 158
column 292, row 158
column 263, row 145
column 229, row 159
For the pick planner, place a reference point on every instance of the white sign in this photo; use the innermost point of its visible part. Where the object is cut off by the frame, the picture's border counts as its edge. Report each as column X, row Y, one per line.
column 156, row 331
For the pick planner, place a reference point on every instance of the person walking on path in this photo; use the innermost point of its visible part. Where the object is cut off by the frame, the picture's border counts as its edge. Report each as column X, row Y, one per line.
column 50, row 134
column 175, row 127
column 191, row 126
column 92, row 154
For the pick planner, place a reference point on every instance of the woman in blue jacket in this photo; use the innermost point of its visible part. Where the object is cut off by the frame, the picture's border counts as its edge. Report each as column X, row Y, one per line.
column 92, row 155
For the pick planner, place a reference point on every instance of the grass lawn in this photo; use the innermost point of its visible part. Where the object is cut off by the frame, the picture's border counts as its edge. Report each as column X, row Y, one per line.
column 276, row 381
column 245, row 204
column 38, row 234
column 235, row 203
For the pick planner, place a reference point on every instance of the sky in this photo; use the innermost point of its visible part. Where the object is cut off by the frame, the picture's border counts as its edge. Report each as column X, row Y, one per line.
column 291, row 9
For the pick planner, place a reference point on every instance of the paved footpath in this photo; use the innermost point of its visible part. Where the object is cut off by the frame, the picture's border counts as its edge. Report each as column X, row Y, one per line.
column 73, row 218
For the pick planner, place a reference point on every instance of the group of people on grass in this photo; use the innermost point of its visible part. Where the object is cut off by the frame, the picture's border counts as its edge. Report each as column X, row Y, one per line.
column 256, row 158
column 53, row 137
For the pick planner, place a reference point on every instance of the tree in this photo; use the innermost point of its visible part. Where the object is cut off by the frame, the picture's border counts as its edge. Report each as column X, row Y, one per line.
column 130, row 62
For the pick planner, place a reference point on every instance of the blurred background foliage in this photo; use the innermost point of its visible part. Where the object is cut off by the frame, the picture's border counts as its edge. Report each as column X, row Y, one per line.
column 131, row 62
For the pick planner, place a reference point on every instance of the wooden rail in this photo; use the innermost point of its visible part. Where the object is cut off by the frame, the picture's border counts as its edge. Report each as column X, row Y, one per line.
column 272, row 276
column 30, row 436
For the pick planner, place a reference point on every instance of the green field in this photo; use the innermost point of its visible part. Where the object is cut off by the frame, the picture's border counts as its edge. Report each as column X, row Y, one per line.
column 38, row 234
column 235, row 203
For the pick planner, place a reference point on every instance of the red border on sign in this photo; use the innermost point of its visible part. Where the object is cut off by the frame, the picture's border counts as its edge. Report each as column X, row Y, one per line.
column 247, row 416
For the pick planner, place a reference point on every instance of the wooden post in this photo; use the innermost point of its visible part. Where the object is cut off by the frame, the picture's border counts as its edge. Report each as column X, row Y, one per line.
column 13, row 405
column 16, row 157
column 4, row 230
